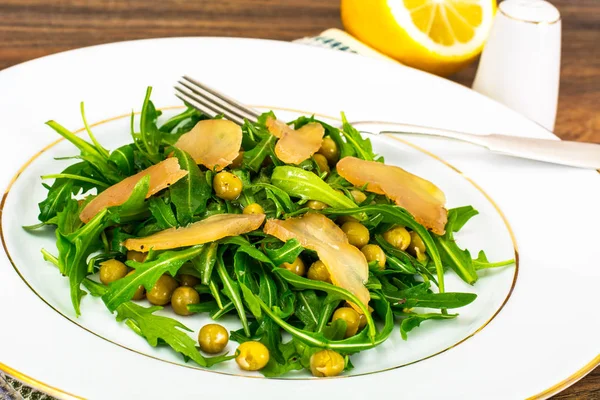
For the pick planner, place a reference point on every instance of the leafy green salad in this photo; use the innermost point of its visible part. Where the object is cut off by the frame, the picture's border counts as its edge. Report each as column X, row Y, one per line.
column 298, row 230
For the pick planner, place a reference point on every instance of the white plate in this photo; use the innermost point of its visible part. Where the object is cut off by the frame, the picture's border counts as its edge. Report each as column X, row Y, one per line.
column 528, row 334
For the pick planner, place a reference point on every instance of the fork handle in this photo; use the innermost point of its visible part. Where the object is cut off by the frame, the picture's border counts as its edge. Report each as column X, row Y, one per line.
column 575, row 154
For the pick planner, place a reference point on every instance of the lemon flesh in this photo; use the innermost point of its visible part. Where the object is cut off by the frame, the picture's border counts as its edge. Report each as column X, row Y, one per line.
column 438, row 36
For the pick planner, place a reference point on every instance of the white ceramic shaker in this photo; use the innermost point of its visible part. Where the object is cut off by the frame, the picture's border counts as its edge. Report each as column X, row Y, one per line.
column 520, row 64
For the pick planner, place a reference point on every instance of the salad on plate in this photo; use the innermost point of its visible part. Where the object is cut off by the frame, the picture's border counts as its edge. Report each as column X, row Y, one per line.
column 298, row 229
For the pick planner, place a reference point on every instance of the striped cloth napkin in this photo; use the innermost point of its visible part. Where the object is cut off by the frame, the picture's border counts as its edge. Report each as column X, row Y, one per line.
column 335, row 39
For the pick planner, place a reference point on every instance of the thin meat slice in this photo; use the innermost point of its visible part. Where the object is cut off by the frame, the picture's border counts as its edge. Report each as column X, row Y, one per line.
column 208, row 230
column 163, row 174
column 277, row 128
column 214, row 143
column 346, row 264
column 421, row 198
column 295, row 146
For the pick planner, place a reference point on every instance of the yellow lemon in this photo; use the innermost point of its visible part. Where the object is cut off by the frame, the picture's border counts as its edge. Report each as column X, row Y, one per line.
column 438, row 36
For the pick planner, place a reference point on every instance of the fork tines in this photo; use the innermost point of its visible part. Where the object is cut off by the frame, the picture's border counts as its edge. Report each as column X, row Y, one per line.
column 212, row 102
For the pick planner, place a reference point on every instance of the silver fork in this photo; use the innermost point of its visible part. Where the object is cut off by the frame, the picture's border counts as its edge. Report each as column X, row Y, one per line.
column 576, row 154
column 212, row 103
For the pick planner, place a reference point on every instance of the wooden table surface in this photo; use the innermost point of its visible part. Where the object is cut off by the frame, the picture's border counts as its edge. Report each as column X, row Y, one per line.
column 34, row 28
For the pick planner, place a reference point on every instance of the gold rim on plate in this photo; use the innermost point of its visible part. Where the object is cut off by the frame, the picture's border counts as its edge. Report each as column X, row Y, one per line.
column 65, row 395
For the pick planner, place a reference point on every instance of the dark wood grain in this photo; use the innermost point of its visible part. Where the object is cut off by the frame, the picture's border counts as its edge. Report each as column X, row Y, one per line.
column 34, row 28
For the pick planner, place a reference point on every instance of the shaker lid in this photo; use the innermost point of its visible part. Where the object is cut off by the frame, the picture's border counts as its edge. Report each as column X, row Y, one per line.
column 533, row 11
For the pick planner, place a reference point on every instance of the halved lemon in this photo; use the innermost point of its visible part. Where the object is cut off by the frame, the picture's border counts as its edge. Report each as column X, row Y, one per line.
column 438, row 36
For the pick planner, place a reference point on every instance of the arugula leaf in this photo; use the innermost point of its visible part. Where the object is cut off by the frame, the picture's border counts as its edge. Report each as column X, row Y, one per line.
column 68, row 220
column 49, row 257
column 329, row 306
column 232, row 291
column 240, row 337
column 63, row 188
column 397, row 296
column 246, row 247
column 141, row 159
column 135, row 204
column 243, row 265
column 75, row 245
column 191, row 193
column 58, row 194
column 227, row 307
column 361, row 341
column 118, row 237
column 271, row 338
column 162, row 212
column 253, row 159
column 373, row 282
column 481, row 262
column 150, row 135
column 460, row 260
column 35, row 227
column 205, row 262
column 336, row 330
column 214, row 291
column 400, row 266
column 81, row 144
column 452, row 255
column 301, row 121
column 304, row 352
column 463, row 215
column 414, row 320
column 396, row 258
column 387, row 286
column 437, row 300
column 154, row 328
column 205, row 306
column 362, row 147
column 287, row 304
column 397, row 215
column 290, row 362
column 73, row 177
column 481, row 259
column 253, row 133
column 309, row 308
column 286, row 253
column 96, row 289
column 307, row 185
column 267, row 291
column 146, row 274
column 179, row 122
column 400, row 261
column 89, row 153
column 304, row 283
column 280, row 198
column 250, row 301
column 346, row 150
column 124, row 159
column 101, row 150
